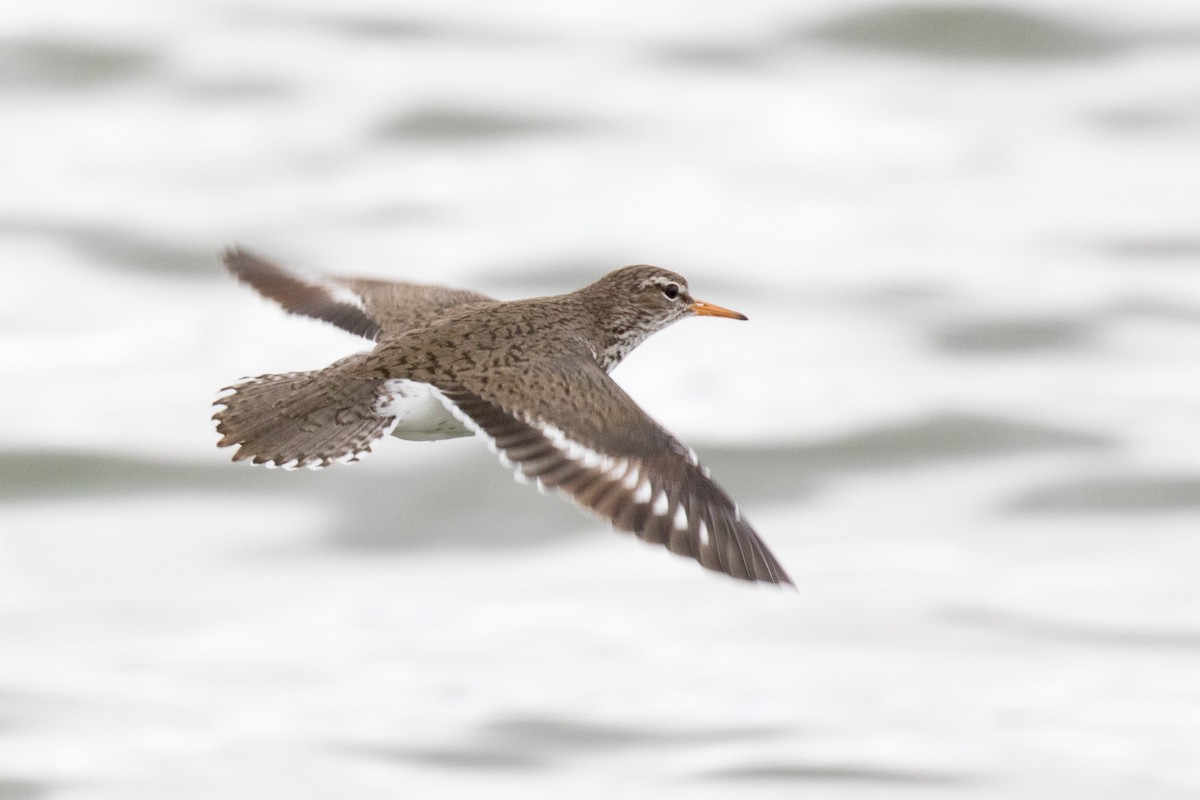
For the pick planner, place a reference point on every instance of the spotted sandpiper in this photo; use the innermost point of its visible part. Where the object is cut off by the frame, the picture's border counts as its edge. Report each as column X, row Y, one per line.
column 528, row 376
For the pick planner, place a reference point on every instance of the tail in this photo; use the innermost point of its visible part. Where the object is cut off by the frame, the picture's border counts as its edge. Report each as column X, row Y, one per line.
column 300, row 419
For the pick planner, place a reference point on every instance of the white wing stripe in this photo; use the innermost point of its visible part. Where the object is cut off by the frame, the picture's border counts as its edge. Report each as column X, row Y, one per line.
column 632, row 479
column 680, row 523
column 692, row 518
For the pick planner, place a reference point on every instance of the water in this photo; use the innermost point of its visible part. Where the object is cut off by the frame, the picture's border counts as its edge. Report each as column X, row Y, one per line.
column 964, row 413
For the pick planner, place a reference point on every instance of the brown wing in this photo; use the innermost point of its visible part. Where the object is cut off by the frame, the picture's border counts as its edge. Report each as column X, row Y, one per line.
column 364, row 307
column 614, row 460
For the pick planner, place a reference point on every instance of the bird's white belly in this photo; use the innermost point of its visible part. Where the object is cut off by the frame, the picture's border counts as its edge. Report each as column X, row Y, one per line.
column 420, row 415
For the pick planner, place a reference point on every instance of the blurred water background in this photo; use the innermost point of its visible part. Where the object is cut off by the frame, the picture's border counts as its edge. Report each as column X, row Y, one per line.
column 965, row 412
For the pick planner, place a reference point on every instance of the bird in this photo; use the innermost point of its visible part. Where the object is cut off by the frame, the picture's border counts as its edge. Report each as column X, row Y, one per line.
column 530, row 377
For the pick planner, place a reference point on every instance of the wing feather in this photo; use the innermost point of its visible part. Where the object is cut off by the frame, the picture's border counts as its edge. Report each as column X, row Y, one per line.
column 368, row 308
column 654, row 487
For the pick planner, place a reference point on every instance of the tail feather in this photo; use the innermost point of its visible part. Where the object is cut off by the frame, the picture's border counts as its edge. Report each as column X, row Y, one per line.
column 299, row 419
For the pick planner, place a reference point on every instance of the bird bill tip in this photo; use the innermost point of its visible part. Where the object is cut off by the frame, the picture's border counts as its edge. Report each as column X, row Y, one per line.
column 702, row 309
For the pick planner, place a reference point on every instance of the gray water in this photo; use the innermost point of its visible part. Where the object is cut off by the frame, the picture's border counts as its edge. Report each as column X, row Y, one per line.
column 965, row 413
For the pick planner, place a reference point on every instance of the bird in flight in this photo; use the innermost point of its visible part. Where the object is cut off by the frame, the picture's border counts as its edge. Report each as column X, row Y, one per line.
column 530, row 377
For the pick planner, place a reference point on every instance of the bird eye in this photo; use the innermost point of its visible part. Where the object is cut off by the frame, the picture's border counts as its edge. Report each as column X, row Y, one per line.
column 671, row 290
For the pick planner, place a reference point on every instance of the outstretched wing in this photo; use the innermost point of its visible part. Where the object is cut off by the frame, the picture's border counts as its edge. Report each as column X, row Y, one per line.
column 598, row 448
column 364, row 307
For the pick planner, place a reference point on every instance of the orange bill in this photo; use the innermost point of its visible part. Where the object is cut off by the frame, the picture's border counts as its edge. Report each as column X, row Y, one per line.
column 703, row 309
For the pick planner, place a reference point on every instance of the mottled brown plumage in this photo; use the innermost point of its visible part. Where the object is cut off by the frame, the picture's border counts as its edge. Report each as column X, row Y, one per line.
column 530, row 376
